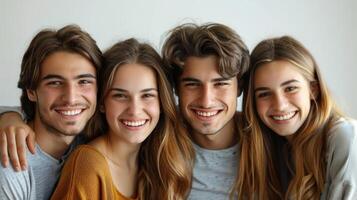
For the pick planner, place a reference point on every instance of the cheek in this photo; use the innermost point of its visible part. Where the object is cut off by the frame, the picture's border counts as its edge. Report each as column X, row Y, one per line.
column 229, row 96
column 303, row 100
column 153, row 108
column 48, row 96
column 113, row 109
column 185, row 97
column 89, row 92
column 262, row 107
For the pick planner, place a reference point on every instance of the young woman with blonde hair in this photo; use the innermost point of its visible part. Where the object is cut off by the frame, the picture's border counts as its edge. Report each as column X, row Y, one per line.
column 299, row 145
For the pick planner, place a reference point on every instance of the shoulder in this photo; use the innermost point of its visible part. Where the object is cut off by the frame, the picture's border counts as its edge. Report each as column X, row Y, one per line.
column 86, row 155
column 341, row 179
column 15, row 185
column 341, row 146
column 343, row 134
column 8, row 174
column 85, row 174
column 86, row 160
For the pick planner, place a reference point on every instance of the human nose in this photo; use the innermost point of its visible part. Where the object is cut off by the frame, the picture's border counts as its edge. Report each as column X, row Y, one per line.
column 70, row 94
column 207, row 96
column 135, row 106
column 280, row 102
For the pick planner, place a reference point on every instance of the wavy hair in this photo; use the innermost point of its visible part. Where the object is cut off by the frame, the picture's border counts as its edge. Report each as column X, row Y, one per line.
column 70, row 38
column 201, row 41
column 308, row 146
column 209, row 39
column 165, row 156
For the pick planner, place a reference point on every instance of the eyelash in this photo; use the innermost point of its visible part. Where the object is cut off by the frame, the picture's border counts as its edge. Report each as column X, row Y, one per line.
column 85, row 82
column 191, row 84
column 149, row 95
column 221, row 84
column 263, row 94
column 291, row 88
column 54, row 83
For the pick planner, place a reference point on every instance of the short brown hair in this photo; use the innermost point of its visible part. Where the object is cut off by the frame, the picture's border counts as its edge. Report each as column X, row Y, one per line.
column 70, row 39
column 209, row 39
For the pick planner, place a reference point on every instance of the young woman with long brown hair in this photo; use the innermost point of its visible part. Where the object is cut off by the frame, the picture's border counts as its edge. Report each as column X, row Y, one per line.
column 142, row 151
column 300, row 146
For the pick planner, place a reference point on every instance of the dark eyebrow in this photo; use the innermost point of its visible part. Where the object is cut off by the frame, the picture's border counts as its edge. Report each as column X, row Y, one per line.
column 85, row 76
column 190, row 79
column 284, row 83
column 54, row 76
column 149, row 89
column 221, row 79
column 117, row 90
column 260, row 89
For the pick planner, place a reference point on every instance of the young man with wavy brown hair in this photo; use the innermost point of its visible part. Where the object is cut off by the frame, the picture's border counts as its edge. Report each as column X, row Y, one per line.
column 205, row 64
column 59, row 96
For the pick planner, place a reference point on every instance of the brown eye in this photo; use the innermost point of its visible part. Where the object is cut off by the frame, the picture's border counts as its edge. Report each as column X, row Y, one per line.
column 263, row 94
column 290, row 89
column 54, row 83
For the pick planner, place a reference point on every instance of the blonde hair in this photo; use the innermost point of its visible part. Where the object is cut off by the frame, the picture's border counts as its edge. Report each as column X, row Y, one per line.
column 308, row 146
column 165, row 156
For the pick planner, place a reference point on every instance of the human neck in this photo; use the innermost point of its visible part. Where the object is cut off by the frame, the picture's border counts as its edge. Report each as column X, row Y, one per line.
column 54, row 144
column 223, row 139
column 121, row 153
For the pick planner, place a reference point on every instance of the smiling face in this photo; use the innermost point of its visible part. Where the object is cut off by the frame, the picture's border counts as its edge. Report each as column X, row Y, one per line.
column 207, row 100
column 282, row 96
column 132, row 105
column 66, row 94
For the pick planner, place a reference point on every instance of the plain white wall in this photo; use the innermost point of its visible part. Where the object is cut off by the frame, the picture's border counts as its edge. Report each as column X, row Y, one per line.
column 326, row 27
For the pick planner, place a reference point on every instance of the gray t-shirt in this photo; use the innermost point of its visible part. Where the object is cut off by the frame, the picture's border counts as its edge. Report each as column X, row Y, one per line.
column 214, row 173
column 341, row 173
column 36, row 183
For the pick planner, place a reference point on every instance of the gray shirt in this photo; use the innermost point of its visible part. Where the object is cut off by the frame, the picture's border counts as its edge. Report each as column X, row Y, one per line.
column 36, row 183
column 214, row 173
column 341, row 173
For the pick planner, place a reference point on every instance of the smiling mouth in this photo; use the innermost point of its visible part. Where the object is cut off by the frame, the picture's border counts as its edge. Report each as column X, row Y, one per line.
column 69, row 113
column 284, row 117
column 134, row 123
column 206, row 114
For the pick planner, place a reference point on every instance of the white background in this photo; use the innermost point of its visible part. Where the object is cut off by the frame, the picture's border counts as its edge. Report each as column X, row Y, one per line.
column 327, row 28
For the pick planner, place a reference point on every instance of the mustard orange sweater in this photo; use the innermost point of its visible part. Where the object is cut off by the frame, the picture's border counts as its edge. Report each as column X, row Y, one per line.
column 86, row 176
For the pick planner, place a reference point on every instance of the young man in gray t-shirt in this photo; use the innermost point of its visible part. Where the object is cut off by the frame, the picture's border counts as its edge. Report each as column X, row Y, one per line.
column 59, row 91
column 206, row 63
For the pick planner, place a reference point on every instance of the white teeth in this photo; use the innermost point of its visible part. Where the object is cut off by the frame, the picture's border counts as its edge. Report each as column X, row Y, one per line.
column 134, row 123
column 284, row 117
column 70, row 112
column 206, row 114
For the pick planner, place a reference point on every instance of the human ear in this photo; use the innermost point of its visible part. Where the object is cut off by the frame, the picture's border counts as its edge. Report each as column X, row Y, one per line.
column 315, row 89
column 31, row 94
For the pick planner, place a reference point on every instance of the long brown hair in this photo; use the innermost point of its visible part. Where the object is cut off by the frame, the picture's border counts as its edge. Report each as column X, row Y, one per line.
column 165, row 156
column 308, row 146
